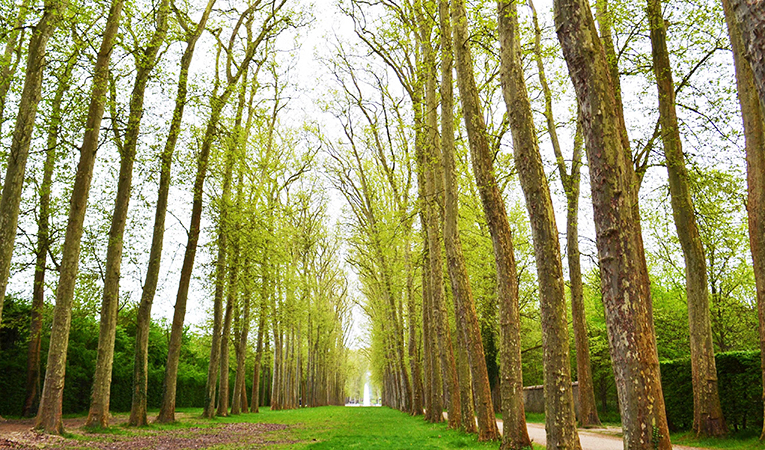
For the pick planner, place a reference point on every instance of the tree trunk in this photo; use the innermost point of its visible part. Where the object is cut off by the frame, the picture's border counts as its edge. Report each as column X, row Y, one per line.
column 49, row 418
column 560, row 418
column 515, row 434
column 708, row 418
column 263, row 314
column 143, row 321
column 43, row 243
column 624, row 275
column 750, row 16
column 440, row 322
column 224, row 358
column 414, row 354
column 220, row 268
column 22, row 137
column 98, row 416
column 463, row 295
column 754, row 133
column 588, row 413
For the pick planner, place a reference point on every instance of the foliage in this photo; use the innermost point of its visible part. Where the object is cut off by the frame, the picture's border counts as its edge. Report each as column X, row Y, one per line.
column 81, row 360
column 740, row 383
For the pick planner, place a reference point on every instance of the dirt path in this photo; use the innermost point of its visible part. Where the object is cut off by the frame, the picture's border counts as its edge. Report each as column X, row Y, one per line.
column 18, row 434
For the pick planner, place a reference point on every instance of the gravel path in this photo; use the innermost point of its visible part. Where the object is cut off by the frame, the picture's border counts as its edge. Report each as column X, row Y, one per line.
column 593, row 439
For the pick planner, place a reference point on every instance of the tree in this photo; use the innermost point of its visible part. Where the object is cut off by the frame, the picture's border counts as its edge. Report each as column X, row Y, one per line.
column 467, row 323
column 22, row 136
column 218, row 102
column 560, row 419
column 588, row 413
column 625, row 284
column 44, row 239
column 98, row 416
column 753, row 114
column 49, row 415
column 140, row 365
column 515, row 434
column 708, row 419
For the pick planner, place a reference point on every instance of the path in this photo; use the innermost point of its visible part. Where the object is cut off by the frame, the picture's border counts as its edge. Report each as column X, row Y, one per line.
column 591, row 439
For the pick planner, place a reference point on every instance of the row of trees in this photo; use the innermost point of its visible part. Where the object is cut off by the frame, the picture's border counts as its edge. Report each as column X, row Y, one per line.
column 397, row 116
column 450, row 328
column 274, row 253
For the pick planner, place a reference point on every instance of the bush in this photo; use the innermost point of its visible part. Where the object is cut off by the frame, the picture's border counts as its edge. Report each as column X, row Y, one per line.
column 739, row 380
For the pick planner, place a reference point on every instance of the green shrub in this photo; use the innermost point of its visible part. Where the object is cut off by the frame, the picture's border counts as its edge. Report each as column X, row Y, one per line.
column 740, row 386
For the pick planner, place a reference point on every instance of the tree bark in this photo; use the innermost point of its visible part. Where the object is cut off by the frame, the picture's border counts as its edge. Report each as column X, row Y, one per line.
column 430, row 150
column 753, row 115
column 750, row 16
column 43, row 243
column 143, row 321
column 98, row 415
column 515, row 434
column 560, row 418
column 625, row 285
column 588, row 413
column 49, row 415
column 22, row 137
column 708, row 418
column 463, row 295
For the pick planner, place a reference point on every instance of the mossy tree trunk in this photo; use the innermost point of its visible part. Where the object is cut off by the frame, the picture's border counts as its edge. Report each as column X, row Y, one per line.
column 624, row 274
column 515, row 434
column 98, row 415
column 560, row 418
column 141, row 362
column 753, row 114
column 49, row 415
column 708, row 418
column 22, row 137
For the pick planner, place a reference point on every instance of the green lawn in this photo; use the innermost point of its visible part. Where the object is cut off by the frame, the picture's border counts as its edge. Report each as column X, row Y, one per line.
column 335, row 427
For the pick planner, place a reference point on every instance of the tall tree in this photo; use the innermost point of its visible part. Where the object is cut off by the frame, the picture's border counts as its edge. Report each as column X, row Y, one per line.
column 560, row 419
column 463, row 294
column 218, row 102
column 98, row 415
column 753, row 114
column 515, row 434
column 49, row 415
column 22, row 137
column 217, row 346
column 625, row 285
column 588, row 413
column 708, row 418
column 140, row 365
column 44, row 238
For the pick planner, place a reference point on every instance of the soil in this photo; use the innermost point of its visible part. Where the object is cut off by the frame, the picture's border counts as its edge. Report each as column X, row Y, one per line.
column 18, row 434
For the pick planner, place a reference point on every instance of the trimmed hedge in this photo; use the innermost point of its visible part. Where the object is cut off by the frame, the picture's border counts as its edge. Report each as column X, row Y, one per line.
column 81, row 361
column 739, row 380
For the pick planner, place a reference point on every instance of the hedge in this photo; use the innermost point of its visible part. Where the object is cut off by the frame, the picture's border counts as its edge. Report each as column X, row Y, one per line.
column 739, row 380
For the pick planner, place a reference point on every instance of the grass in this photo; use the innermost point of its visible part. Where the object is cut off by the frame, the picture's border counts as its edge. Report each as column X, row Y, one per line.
column 330, row 427
column 336, row 427
column 748, row 439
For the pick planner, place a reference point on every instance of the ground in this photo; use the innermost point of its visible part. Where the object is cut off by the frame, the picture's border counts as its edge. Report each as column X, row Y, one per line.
column 314, row 428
